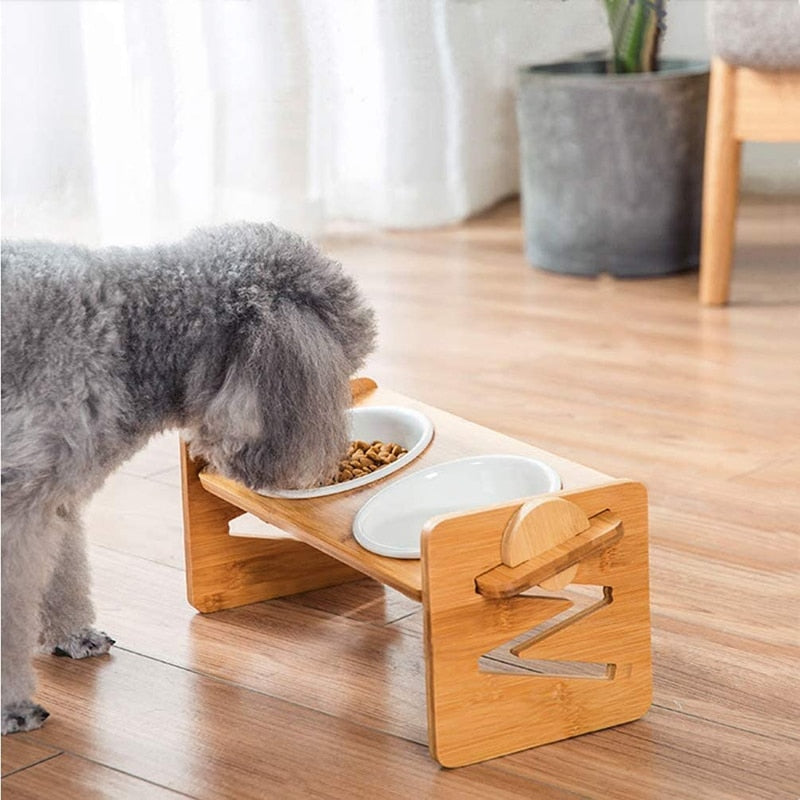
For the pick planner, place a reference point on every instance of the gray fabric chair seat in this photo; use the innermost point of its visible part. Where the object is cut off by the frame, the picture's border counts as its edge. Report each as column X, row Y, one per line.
column 764, row 34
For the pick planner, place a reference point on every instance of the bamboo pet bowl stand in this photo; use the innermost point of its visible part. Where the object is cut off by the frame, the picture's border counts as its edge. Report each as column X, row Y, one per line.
column 473, row 571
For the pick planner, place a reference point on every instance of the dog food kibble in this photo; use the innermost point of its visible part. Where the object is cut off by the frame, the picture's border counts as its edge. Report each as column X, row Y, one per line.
column 365, row 457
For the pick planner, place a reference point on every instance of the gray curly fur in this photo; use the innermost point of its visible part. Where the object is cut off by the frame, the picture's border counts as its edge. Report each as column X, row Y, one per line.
column 244, row 336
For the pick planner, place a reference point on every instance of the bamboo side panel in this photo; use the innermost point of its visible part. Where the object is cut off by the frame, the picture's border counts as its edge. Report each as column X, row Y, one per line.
column 475, row 715
column 223, row 571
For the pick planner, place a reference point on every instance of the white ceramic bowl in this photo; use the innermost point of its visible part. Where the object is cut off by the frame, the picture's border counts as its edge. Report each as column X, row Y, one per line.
column 391, row 521
column 403, row 426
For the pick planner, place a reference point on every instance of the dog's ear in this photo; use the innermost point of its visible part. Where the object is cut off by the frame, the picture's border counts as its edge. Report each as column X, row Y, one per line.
column 226, row 420
column 235, row 411
column 279, row 417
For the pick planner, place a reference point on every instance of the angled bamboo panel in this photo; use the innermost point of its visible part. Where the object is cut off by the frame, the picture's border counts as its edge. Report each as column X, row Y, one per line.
column 223, row 571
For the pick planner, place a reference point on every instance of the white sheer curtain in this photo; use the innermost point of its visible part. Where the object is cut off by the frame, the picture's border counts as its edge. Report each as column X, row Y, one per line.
column 135, row 120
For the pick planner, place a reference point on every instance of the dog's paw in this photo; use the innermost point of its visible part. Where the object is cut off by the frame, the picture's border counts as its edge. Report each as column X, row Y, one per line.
column 84, row 643
column 24, row 716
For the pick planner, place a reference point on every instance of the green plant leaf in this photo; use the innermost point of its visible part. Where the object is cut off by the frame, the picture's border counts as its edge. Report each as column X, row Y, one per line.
column 636, row 27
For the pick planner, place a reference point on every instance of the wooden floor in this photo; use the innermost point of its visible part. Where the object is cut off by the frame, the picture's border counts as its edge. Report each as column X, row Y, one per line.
column 322, row 695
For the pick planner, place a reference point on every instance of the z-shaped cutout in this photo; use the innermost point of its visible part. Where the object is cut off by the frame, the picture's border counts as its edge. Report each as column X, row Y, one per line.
column 510, row 657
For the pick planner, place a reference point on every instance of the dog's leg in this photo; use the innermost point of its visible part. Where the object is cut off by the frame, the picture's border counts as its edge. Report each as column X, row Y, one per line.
column 30, row 544
column 67, row 612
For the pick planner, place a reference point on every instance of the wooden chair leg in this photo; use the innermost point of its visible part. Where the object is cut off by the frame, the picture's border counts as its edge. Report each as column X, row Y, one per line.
column 720, row 186
column 223, row 571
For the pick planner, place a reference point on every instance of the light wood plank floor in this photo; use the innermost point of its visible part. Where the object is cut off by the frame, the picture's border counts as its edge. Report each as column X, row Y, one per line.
column 322, row 695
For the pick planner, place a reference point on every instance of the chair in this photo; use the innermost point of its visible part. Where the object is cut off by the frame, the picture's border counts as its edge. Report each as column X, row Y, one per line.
column 754, row 96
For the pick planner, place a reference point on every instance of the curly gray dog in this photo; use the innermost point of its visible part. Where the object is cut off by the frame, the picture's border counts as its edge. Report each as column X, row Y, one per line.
column 244, row 336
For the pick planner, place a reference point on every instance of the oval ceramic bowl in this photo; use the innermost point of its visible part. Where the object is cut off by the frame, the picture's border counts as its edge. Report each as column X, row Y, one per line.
column 403, row 426
column 390, row 522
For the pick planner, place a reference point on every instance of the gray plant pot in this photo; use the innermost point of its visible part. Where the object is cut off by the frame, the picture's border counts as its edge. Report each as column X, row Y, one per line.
column 611, row 167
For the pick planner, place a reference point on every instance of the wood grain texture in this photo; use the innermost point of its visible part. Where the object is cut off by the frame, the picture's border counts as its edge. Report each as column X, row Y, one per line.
column 630, row 377
column 554, row 567
column 506, row 713
column 666, row 755
column 201, row 737
column 361, row 671
column 538, row 526
column 79, row 778
column 18, row 753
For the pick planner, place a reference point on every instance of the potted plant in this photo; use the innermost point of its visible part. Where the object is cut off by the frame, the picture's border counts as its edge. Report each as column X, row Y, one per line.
column 612, row 154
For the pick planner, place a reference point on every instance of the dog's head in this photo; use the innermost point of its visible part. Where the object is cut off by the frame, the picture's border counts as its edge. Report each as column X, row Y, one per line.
column 301, row 329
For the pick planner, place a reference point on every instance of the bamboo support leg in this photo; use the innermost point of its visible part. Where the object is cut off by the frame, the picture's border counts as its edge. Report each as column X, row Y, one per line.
column 720, row 187
column 224, row 571
column 475, row 714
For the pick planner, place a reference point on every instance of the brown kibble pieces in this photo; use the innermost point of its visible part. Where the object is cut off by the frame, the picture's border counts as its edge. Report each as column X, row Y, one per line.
column 365, row 457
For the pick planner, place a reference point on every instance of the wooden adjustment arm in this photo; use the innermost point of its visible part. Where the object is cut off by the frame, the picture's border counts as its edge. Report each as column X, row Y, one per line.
column 503, row 581
column 361, row 388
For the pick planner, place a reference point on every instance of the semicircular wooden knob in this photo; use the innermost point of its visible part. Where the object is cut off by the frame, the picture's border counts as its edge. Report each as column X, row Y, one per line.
column 539, row 525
